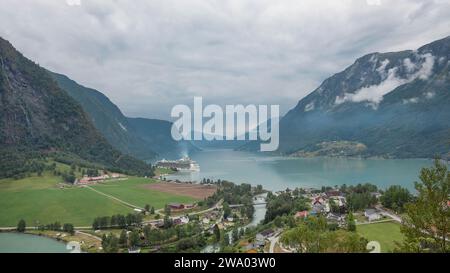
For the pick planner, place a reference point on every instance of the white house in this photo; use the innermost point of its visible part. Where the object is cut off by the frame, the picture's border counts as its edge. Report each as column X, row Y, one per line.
column 372, row 215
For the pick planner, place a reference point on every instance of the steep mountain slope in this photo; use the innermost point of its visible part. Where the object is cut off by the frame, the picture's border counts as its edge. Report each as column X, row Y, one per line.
column 157, row 134
column 107, row 118
column 385, row 104
column 143, row 138
column 37, row 117
column 395, row 104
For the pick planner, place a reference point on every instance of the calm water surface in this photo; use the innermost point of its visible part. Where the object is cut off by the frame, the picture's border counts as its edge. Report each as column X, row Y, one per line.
column 25, row 243
column 278, row 173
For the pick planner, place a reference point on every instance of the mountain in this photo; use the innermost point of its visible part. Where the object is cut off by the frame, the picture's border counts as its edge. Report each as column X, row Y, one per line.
column 157, row 134
column 107, row 118
column 143, row 138
column 385, row 104
column 37, row 118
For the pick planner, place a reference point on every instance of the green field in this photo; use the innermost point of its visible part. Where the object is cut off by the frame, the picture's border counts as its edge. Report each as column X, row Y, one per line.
column 385, row 233
column 42, row 199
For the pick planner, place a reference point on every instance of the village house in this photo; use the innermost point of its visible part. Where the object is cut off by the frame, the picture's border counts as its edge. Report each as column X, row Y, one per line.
column 333, row 193
column 181, row 220
column 205, row 221
column 372, row 215
column 376, row 194
column 318, row 209
column 302, row 214
column 176, row 206
column 339, row 200
column 261, row 237
column 336, row 218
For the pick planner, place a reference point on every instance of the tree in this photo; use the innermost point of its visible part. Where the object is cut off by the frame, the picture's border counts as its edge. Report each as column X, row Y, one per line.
column 147, row 231
column 110, row 243
column 427, row 223
column 134, row 239
column 351, row 225
column 226, row 239
column 69, row 228
column 147, row 208
column 168, row 222
column 113, row 244
column 395, row 198
column 152, row 210
column 113, row 221
column 21, row 226
column 123, row 238
column 314, row 237
column 226, row 210
column 121, row 221
column 105, row 242
column 216, row 232
column 333, row 206
column 235, row 235
column 167, row 210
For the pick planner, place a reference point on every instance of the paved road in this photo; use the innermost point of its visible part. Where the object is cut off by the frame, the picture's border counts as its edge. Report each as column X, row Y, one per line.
column 276, row 240
column 273, row 242
column 389, row 214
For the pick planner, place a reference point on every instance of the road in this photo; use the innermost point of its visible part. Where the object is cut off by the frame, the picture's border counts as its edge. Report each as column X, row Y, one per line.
column 89, row 235
column 115, row 198
column 273, row 241
column 375, row 222
column 276, row 240
column 216, row 206
column 389, row 214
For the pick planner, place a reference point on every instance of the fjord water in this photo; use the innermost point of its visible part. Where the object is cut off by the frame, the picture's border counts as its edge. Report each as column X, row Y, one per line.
column 25, row 243
column 279, row 173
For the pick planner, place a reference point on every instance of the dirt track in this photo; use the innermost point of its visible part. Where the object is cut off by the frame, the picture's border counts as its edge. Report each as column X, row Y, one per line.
column 192, row 190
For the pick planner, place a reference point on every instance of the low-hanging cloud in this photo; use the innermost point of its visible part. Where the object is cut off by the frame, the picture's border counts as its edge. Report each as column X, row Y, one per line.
column 374, row 94
column 148, row 56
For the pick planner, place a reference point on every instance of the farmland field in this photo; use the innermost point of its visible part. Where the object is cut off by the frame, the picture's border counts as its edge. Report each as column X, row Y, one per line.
column 136, row 191
column 41, row 200
column 385, row 233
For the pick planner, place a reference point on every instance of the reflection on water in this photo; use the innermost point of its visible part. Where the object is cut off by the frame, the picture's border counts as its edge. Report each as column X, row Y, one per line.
column 277, row 173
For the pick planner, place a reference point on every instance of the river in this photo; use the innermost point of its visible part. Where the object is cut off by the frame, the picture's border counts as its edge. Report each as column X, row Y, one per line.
column 258, row 216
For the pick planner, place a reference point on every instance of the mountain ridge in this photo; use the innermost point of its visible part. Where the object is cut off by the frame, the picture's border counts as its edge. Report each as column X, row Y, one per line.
column 143, row 138
column 395, row 103
column 37, row 118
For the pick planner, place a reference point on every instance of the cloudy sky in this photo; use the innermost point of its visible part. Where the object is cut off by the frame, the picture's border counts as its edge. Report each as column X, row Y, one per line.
column 148, row 56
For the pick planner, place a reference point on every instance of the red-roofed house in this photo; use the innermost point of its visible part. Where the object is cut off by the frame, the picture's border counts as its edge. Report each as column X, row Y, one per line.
column 301, row 214
column 318, row 201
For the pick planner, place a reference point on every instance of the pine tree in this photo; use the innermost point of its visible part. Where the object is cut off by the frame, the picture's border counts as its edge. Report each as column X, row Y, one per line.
column 427, row 222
